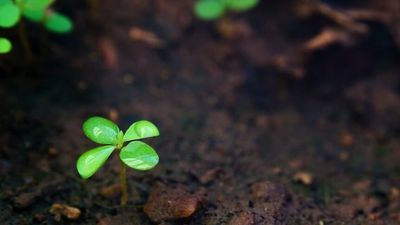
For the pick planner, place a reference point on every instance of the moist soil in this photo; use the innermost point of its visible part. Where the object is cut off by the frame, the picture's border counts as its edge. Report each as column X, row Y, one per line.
column 246, row 137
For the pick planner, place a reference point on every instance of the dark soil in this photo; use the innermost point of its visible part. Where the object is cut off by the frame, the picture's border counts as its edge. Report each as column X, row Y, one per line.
column 254, row 129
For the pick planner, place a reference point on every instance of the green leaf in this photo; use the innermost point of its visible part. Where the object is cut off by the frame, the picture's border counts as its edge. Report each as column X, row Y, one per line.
column 34, row 4
column 91, row 161
column 241, row 5
column 5, row 2
column 9, row 14
column 141, row 129
column 34, row 15
column 139, row 155
column 101, row 130
column 209, row 9
column 5, row 45
column 58, row 23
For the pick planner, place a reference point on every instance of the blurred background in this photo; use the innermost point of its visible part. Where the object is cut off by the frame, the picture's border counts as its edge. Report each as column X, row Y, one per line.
column 270, row 111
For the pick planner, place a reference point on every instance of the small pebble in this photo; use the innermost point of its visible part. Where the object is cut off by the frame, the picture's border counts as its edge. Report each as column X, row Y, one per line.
column 113, row 114
column 52, row 152
column 303, row 177
column 346, row 140
column 166, row 204
column 63, row 210
column 243, row 218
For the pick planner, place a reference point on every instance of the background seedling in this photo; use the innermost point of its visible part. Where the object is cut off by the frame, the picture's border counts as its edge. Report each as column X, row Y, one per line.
column 215, row 9
column 37, row 11
column 5, row 45
column 135, row 154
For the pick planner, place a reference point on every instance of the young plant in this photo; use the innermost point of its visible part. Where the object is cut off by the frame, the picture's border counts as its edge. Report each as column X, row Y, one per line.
column 37, row 11
column 135, row 154
column 5, row 45
column 215, row 9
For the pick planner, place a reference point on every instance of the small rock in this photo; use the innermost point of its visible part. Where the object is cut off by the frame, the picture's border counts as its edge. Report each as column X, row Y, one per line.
column 277, row 171
column 52, row 152
column 170, row 204
column 113, row 114
column 346, row 140
column 108, row 51
column 243, row 218
column 266, row 190
column 63, row 210
column 111, row 191
column 303, row 177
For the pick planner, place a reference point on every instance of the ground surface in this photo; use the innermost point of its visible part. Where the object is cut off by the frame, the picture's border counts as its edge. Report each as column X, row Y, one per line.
column 254, row 130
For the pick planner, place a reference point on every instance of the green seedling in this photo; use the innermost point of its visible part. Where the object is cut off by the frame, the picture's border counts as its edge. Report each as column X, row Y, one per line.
column 5, row 45
column 38, row 11
column 215, row 9
column 135, row 154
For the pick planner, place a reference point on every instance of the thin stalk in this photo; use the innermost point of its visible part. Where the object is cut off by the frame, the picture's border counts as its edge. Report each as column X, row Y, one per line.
column 25, row 42
column 124, row 189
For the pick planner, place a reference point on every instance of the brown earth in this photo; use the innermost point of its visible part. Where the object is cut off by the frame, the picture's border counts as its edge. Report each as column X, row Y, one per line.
column 286, row 114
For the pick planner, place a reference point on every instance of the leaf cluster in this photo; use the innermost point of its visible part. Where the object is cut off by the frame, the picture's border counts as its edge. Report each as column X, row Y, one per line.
column 38, row 11
column 136, row 154
column 214, row 9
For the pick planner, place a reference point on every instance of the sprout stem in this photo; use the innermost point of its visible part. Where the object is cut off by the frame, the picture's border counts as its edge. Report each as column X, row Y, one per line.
column 124, row 189
column 25, row 42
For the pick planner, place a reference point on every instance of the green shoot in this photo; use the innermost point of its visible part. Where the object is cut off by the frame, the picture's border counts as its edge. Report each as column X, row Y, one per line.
column 209, row 9
column 135, row 154
column 5, row 45
column 9, row 13
column 240, row 5
column 37, row 11
column 215, row 9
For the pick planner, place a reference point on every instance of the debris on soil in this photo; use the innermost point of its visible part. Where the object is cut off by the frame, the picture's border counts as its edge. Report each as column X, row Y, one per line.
column 377, row 103
column 52, row 152
column 210, row 175
column 148, row 37
column 234, row 30
column 346, row 139
column 245, row 218
column 63, row 210
column 113, row 114
column 111, row 191
column 26, row 199
column 303, row 177
column 166, row 203
column 108, row 52
column 266, row 190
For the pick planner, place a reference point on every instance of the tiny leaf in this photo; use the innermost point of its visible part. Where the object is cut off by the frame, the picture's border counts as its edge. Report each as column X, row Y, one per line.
column 101, row 130
column 209, row 9
column 34, row 4
column 58, row 23
column 241, row 5
column 9, row 14
column 34, row 15
column 141, row 129
column 91, row 161
column 139, row 155
column 5, row 45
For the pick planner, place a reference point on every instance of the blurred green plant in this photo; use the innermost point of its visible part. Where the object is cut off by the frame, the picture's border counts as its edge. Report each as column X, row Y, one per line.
column 214, row 9
column 38, row 11
column 5, row 45
column 136, row 154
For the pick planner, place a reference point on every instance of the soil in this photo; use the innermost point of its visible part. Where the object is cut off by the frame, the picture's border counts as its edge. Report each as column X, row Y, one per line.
column 255, row 127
